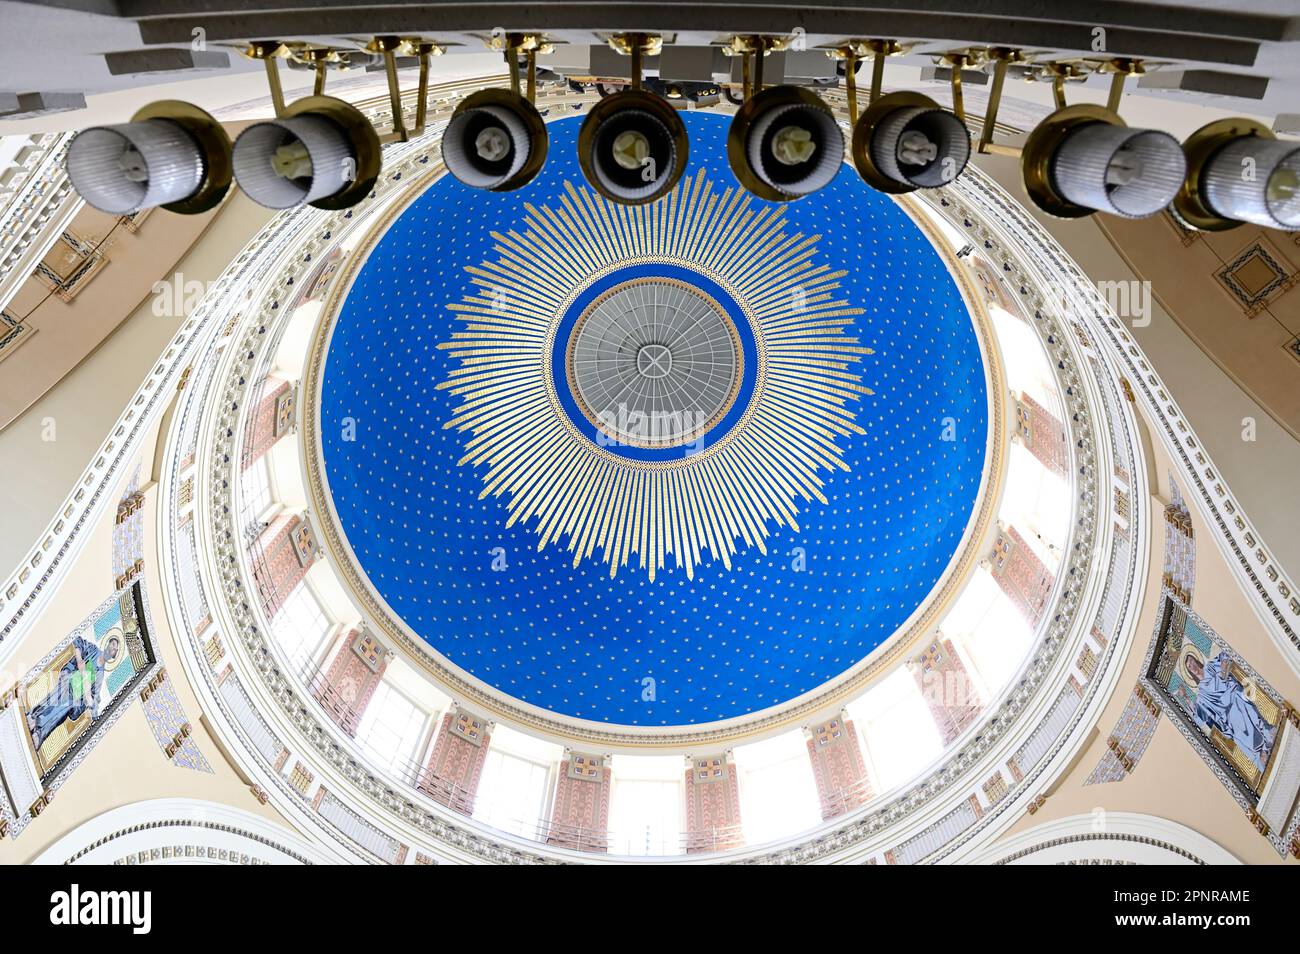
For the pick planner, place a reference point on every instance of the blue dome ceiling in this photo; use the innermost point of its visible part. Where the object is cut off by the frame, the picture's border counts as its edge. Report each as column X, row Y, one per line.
column 657, row 466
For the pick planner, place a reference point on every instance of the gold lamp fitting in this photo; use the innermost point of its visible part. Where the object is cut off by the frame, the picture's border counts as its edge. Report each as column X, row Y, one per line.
column 1058, row 73
column 850, row 52
column 1200, row 147
column 648, row 44
column 319, row 58
column 1121, row 69
column 860, row 147
column 956, row 61
column 752, row 48
column 1001, row 57
column 363, row 137
column 213, row 141
column 268, row 51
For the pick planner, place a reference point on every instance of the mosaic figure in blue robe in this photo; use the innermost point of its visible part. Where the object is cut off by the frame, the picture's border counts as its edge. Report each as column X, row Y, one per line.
column 79, row 688
column 1221, row 704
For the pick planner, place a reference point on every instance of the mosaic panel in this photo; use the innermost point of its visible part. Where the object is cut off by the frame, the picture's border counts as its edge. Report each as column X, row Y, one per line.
column 170, row 727
column 59, row 710
column 1129, row 739
column 1225, row 709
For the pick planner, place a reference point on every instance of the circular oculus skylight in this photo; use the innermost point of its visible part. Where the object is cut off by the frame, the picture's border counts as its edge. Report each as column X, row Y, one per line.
column 654, row 363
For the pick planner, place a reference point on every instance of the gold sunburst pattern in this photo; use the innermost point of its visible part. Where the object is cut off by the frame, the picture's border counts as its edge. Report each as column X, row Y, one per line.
column 738, row 487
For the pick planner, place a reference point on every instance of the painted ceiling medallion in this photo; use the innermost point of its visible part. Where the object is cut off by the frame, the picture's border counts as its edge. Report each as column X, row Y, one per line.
column 656, row 386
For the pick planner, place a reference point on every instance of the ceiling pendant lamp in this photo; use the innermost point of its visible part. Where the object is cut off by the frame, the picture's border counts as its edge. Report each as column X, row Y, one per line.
column 321, row 152
column 632, row 146
column 1238, row 172
column 170, row 154
column 496, row 138
column 1084, row 159
column 784, row 142
column 318, row 151
column 906, row 141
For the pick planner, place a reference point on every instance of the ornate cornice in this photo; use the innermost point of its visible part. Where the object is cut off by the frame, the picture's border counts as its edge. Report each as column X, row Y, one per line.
column 1270, row 593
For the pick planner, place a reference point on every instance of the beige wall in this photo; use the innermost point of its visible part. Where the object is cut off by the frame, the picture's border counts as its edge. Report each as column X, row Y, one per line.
column 127, row 765
column 62, row 333
column 1250, row 349
column 90, row 398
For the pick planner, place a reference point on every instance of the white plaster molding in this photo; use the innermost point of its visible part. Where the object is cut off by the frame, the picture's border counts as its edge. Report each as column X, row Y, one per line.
column 873, row 829
column 1273, row 597
column 1108, row 836
column 120, row 835
column 36, row 212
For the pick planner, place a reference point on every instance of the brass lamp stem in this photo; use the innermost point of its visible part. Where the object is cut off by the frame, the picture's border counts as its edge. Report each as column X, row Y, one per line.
column 1116, row 91
column 422, row 102
column 395, row 96
column 1122, row 70
column 1002, row 58
column 268, row 51
column 958, row 61
column 318, row 58
column 851, row 85
column 273, row 81
column 512, row 61
column 880, row 49
column 387, row 46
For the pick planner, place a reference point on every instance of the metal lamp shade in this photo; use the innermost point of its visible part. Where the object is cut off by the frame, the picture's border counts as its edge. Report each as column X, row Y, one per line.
column 1255, row 180
column 1127, row 172
column 920, row 147
column 123, row 169
column 329, row 165
column 467, row 146
column 790, row 175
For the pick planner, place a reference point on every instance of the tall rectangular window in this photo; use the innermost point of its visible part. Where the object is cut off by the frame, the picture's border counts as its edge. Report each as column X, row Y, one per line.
column 646, row 806
column 512, row 793
column 778, row 795
column 897, row 729
column 390, row 730
column 300, row 627
column 255, row 483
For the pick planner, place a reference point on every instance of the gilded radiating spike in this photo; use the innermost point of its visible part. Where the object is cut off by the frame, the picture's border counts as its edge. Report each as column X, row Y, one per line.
column 676, row 514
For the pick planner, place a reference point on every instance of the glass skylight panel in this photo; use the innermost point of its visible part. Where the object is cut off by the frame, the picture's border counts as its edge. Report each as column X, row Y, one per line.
column 646, row 805
column 300, row 627
column 646, row 816
column 1023, row 359
column 1036, row 502
column 255, row 482
column 991, row 630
